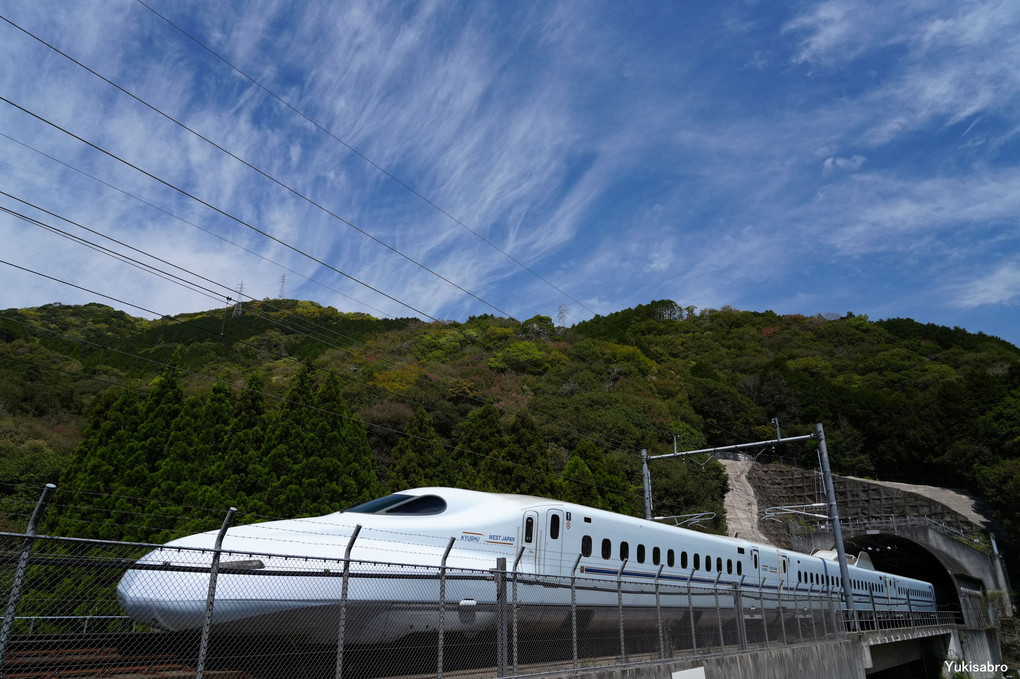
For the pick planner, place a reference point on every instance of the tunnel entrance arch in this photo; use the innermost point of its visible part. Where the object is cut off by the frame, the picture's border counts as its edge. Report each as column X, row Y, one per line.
column 899, row 555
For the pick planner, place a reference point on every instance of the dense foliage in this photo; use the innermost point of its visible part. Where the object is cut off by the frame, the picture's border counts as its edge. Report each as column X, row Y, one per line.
column 295, row 409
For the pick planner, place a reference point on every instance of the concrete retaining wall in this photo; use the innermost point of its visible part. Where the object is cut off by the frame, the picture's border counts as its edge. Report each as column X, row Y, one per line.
column 835, row 660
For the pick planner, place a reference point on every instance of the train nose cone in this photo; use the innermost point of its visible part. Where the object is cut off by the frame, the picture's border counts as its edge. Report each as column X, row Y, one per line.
column 150, row 601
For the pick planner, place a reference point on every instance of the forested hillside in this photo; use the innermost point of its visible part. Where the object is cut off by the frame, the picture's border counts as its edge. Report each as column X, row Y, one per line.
column 287, row 408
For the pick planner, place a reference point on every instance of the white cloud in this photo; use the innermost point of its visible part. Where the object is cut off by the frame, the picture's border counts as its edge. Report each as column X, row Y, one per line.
column 851, row 164
column 998, row 286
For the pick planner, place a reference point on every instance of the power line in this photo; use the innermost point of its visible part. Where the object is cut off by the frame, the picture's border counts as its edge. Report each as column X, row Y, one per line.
column 212, row 207
column 364, row 157
column 303, row 331
column 249, row 165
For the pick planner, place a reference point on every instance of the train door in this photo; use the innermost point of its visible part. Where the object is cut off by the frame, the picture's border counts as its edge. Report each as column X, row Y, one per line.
column 554, row 538
column 756, row 565
column 530, row 531
column 784, row 572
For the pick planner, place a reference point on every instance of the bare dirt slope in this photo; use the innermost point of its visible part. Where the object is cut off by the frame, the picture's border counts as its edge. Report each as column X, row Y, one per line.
column 741, row 505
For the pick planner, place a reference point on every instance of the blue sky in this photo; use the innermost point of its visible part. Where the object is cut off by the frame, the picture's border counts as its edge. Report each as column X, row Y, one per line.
column 804, row 157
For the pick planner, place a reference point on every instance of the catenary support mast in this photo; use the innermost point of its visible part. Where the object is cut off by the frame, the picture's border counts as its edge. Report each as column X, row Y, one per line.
column 823, row 454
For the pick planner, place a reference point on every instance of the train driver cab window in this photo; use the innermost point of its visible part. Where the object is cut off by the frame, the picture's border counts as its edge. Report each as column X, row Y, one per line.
column 554, row 527
column 529, row 530
column 402, row 504
column 624, row 550
column 607, row 548
column 586, row 545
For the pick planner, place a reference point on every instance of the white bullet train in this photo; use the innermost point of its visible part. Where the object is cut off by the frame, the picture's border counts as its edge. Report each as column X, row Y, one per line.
column 285, row 578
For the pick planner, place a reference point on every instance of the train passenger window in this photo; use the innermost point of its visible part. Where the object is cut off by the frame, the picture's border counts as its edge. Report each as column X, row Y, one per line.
column 729, row 566
column 640, row 553
column 554, row 527
column 708, row 562
column 586, row 545
column 607, row 548
column 624, row 550
column 740, row 568
column 683, row 559
column 718, row 563
column 670, row 558
column 656, row 555
column 697, row 561
column 529, row 530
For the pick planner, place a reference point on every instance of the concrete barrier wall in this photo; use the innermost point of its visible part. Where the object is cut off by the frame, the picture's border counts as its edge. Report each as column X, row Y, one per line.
column 834, row 660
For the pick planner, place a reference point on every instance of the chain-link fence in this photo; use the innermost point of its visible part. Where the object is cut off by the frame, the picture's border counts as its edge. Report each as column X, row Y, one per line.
column 93, row 607
column 89, row 605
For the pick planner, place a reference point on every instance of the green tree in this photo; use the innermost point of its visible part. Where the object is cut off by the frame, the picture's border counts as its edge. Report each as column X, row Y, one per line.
column 525, row 467
column 419, row 458
column 480, row 448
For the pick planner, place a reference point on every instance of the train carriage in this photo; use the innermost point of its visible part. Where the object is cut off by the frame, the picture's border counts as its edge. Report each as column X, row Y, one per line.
column 283, row 578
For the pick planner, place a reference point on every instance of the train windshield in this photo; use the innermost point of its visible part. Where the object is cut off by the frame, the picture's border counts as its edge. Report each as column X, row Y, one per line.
column 400, row 504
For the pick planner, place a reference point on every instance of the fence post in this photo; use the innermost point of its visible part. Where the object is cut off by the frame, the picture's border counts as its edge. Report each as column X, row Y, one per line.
column 811, row 612
column 796, row 615
column 22, row 570
column 718, row 613
column 442, row 607
column 874, row 609
column 823, row 610
column 782, row 615
column 573, row 608
column 738, row 606
column 517, row 561
column 690, row 611
column 214, row 569
column 619, row 599
column 658, row 613
column 342, row 626
column 501, row 616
